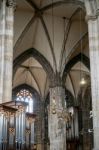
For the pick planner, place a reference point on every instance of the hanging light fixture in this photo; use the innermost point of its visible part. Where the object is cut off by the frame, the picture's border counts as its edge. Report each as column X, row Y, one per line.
column 82, row 78
column 83, row 81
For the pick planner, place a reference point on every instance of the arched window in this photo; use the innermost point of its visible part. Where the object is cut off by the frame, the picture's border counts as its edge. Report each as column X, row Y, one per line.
column 25, row 95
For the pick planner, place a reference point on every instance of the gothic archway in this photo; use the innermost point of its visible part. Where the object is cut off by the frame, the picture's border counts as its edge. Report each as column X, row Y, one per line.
column 71, row 63
column 39, row 57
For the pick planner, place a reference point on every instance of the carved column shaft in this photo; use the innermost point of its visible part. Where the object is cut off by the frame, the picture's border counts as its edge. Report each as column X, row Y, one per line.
column 57, row 127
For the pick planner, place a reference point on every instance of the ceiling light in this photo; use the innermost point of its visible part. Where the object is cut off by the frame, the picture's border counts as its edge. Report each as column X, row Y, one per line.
column 83, row 81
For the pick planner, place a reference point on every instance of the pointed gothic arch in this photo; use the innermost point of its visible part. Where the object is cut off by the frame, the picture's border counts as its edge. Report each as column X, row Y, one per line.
column 39, row 57
column 72, row 62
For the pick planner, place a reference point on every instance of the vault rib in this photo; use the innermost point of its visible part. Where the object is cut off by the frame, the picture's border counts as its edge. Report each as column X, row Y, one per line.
column 49, row 41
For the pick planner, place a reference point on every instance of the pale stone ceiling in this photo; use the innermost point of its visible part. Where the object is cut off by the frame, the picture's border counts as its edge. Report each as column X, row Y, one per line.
column 35, row 30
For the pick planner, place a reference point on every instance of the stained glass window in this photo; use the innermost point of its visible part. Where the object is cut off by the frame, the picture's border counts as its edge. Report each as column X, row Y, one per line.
column 25, row 95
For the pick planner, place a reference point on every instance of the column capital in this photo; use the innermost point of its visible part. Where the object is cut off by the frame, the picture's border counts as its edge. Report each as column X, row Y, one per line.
column 56, row 81
column 97, row 12
column 90, row 17
column 11, row 3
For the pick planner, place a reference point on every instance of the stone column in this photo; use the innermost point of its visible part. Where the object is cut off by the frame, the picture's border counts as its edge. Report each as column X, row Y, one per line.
column 2, row 43
column 93, row 28
column 57, row 127
column 6, row 49
column 97, row 4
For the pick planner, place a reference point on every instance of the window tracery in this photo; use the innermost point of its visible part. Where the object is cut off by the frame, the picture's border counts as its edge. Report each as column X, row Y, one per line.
column 25, row 95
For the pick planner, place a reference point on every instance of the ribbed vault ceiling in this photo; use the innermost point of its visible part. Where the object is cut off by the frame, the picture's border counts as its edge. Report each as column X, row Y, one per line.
column 40, row 25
